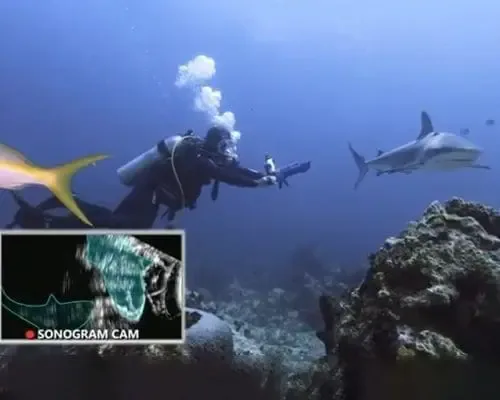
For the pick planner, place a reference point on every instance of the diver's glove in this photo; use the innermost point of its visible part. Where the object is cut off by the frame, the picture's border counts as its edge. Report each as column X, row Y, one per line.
column 266, row 181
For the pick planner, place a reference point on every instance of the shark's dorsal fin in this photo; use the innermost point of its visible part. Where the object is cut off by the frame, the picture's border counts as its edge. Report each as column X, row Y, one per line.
column 380, row 152
column 425, row 125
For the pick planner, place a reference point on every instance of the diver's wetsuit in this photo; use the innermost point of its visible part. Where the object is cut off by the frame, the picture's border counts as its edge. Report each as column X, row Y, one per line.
column 195, row 168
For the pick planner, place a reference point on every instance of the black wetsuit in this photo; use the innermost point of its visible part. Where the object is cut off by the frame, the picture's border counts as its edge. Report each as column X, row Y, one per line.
column 196, row 167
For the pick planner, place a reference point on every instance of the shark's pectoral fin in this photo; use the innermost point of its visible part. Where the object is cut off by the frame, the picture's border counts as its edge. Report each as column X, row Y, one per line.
column 405, row 170
column 380, row 173
column 479, row 166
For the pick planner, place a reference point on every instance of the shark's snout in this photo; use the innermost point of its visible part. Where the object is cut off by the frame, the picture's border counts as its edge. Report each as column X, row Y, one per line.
column 472, row 152
column 476, row 150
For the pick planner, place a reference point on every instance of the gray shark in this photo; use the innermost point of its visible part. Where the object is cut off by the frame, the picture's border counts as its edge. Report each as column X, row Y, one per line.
column 431, row 150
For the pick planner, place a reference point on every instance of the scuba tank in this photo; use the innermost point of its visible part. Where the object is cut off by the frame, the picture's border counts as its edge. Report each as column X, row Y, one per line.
column 132, row 172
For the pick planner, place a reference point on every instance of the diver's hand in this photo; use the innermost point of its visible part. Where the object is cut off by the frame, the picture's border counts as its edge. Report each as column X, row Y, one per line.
column 265, row 181
column 282, row 182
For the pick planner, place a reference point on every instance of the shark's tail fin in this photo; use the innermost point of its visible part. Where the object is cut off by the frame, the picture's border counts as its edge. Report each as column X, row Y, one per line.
column 362, row 167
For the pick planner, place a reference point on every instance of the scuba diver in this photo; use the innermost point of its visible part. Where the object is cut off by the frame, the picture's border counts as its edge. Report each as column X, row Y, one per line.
column 179, row 166
column 171, row 174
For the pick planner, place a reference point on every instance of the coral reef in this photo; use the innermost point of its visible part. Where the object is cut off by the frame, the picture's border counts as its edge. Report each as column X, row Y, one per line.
column 425, row 323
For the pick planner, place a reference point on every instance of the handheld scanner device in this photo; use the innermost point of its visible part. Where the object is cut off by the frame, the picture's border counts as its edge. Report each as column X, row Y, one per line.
column 269, row 165
column 290, row 170
column 294, row 169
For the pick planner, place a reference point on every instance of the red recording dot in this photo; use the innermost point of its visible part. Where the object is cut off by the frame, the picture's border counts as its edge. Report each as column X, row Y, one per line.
column 29, row 334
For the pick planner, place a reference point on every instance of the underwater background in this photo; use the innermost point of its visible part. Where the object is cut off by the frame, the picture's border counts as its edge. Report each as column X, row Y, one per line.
column 302, row 78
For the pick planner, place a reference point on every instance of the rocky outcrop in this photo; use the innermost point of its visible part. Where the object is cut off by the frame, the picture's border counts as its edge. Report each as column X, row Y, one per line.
column 425, row 323
column 264, row 325
column 208, row 336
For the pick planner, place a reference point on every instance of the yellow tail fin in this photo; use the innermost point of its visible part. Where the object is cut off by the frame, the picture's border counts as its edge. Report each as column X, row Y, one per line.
column 59, row 182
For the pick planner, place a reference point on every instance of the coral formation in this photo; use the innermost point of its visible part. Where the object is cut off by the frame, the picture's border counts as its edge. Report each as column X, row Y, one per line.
column 425, row 323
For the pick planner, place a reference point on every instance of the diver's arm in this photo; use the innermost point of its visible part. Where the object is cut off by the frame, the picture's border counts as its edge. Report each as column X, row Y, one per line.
column 247, row 172
column 233, row 175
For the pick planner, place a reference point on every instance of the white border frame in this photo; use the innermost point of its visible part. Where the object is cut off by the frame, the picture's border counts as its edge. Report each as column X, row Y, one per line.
column 27, row 232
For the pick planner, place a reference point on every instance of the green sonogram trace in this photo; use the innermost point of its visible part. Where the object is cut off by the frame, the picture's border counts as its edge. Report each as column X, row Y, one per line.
column 122, row 270
column 53, row 314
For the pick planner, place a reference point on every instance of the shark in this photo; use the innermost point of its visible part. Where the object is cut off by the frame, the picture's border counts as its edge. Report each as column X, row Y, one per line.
column 432, row 151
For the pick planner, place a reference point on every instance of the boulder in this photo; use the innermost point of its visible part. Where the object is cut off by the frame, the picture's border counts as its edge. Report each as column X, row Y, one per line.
column 425, row 322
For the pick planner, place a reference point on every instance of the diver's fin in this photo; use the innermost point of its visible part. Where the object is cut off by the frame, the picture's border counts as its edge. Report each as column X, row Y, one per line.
column 379, row 152
column 426, row 126
column 19, row 200
column 58, row 181
column 170, row 214
column 214, row 194
column 49, row 204
column 361, row 164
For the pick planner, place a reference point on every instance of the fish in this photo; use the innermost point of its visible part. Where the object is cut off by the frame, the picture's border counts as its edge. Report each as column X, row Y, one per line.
column 431, row 150
column 490, row 122
column 17, row 172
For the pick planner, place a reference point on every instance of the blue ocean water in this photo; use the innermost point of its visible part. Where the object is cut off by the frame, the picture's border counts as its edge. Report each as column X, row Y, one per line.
column 302, row 79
